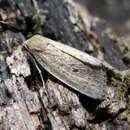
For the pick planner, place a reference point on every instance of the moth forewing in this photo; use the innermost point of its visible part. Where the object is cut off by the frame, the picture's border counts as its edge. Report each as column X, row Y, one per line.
column 38, row 42
column 72, row 67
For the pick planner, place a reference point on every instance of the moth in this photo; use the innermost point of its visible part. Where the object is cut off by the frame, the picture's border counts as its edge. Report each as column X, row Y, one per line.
column 76, row 69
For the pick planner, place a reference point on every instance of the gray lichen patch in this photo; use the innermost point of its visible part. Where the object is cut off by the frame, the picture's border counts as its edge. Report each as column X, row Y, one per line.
column 18, row 64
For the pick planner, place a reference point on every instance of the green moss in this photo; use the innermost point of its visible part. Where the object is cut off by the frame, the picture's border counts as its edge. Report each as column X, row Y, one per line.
column 119, row 79
column 38, row 18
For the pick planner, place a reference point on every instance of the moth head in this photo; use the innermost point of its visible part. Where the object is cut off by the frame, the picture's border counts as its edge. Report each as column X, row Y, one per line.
column 33, row 43
column 37, row 43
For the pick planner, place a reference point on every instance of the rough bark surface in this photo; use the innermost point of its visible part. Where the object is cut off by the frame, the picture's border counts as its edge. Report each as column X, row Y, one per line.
column 28, row 102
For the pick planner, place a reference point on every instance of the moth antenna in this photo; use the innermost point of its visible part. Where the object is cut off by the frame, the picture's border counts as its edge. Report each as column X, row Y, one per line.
column 25, row 46
column 39, row 71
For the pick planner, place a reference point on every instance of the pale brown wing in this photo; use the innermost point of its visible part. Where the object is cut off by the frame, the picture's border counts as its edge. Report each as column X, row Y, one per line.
column 86, row 79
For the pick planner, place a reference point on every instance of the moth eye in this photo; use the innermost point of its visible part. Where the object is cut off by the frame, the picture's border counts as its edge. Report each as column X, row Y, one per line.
column 75, row 70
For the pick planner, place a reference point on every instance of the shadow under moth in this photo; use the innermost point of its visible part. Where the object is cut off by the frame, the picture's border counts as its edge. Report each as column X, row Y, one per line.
column 74, row 68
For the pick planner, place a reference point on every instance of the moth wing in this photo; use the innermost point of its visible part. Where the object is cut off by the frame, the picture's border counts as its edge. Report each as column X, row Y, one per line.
column 86, row 79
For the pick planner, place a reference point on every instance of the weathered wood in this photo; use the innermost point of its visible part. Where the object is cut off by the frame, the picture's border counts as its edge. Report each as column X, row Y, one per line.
column 60, row 103
column 68, row 30
column 110, row 47
column 28, row 103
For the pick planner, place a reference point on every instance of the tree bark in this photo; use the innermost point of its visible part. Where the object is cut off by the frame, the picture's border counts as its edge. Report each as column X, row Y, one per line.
column 28, row 102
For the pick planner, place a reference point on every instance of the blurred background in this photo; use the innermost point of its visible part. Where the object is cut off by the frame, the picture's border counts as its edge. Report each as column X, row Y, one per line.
column 115, row 12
